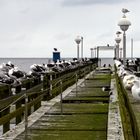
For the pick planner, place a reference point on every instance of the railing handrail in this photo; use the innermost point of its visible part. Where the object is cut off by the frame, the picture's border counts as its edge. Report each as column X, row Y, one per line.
column 130, row 113
column 42, row 92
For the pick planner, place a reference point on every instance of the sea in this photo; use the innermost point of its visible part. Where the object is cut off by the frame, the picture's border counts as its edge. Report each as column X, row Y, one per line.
column 25, row 63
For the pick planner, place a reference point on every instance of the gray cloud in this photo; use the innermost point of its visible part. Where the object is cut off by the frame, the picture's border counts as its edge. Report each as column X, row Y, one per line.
column 37, row 26
column 90, row 2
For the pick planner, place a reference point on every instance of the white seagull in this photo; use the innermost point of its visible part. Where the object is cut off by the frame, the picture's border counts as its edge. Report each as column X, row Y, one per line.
column 128, row 81
column 118, row 63
column 136, row 90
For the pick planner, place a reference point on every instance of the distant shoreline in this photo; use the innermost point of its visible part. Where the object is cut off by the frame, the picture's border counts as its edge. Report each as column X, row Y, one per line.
column 51, row 57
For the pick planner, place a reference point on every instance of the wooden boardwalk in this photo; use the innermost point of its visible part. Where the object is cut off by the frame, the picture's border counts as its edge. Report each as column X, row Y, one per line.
column 83, row 114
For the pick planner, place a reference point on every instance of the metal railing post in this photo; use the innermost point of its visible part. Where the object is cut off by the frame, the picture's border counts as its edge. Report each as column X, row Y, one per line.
column 26, row 112
column 42, row 80
column 84, row 76
column 50, row 84
column 76, row 79
column 61, row 97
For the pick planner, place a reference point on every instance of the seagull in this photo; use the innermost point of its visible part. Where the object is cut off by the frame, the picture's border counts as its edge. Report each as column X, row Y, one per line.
column 16, row 73
column 117, row 63
column 128, row 81
column 136, row 90
column 106, row 88
column 125, row 10
column 55, row 49
column 118, row 32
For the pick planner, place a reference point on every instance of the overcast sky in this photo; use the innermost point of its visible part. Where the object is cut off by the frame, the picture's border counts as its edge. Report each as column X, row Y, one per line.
column 32, row 28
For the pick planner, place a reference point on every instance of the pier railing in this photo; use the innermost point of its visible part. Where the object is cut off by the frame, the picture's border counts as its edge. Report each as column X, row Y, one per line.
column 129, row 121
column 19, row 102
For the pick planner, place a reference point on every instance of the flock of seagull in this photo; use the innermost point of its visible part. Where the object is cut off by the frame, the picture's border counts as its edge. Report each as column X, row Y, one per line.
column 11, row 74
column 130, row 80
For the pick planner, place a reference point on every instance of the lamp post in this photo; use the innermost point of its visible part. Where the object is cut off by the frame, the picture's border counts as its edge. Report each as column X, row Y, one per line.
column 115, row 51
column 91, row 52
column 81, row 47
column 118, row 40
column 78, row 40
column 121, row 53
column 95, row 51
column 131, row 48
column 124, row 25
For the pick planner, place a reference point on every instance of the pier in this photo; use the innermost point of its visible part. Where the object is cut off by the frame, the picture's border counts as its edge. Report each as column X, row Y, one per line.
column 88, row 102
column 81, row 114
column 77, row 95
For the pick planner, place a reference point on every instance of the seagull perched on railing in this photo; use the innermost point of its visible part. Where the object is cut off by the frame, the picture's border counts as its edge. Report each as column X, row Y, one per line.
column 118, row 32
column 128, row 81
column 136, row 90
column 55, row 49
column 125, row 10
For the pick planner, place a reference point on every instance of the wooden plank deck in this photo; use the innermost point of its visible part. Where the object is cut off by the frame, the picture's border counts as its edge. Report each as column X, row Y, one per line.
column 84, row 116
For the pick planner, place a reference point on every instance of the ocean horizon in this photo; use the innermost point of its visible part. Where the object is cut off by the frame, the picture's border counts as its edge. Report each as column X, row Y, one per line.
column 25, row 63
